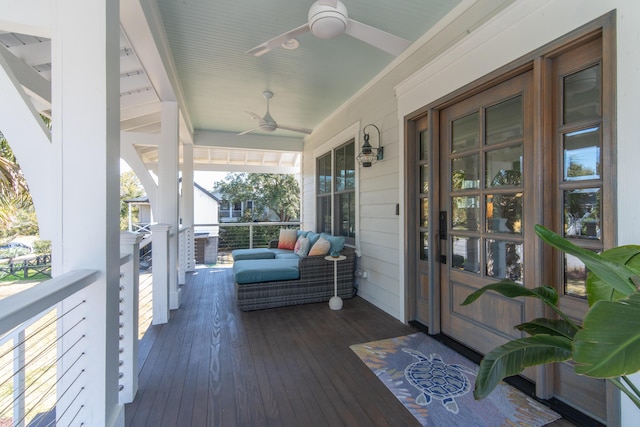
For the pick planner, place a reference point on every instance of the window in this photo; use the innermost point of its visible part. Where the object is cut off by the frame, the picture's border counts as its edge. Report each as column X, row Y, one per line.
column 336, row 178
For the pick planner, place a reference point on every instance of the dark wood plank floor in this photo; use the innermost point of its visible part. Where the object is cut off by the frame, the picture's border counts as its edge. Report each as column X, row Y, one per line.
column 214, row 365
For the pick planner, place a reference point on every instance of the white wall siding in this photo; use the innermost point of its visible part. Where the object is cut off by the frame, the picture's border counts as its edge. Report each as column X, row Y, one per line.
column 379, row 187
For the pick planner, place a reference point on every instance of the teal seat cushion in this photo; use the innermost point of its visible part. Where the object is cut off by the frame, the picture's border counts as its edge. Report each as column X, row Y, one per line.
column 288, row 255
column 256, row 253
column 265, row 270
column 276, row 252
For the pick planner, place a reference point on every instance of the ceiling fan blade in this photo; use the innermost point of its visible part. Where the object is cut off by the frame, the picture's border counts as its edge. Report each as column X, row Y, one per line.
column 291, row 128
column 253, row 115
column 277, row 41
column 247, row 131
column 332, row 3
column 390, row 43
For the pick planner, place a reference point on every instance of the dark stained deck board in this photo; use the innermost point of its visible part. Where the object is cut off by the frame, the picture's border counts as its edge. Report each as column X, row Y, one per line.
column 214, row 365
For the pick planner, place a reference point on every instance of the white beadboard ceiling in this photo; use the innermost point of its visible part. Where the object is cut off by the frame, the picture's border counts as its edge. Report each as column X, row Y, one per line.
column 207, row 41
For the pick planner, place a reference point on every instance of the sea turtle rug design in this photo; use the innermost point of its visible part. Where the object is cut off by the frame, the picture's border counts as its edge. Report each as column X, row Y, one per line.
column 438, row 380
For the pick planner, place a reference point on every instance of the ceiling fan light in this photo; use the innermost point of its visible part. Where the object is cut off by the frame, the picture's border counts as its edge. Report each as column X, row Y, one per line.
column 291, row 44
column 327, row 22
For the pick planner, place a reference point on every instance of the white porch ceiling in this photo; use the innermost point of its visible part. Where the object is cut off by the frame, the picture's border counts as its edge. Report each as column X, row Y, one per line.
column 205, row 43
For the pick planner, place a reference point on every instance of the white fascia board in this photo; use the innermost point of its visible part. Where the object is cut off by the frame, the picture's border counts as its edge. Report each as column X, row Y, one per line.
column 249, row 141
column 31, row 17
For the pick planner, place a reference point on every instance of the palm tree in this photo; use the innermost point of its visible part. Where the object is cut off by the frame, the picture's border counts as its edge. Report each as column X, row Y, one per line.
column 14, row 191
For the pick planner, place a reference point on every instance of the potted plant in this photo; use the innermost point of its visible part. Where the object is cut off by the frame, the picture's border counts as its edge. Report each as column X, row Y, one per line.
column 606, row 345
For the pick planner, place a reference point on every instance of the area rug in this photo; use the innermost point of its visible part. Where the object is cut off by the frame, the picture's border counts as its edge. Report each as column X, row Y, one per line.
column 436, row 385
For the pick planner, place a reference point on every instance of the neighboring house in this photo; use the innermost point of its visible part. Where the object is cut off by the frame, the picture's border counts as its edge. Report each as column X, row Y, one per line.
column 145, row 216
column 233, row 212
column 205, row 212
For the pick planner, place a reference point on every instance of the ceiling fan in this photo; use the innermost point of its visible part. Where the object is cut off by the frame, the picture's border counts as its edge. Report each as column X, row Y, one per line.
column 328, row 19
column 267, row 123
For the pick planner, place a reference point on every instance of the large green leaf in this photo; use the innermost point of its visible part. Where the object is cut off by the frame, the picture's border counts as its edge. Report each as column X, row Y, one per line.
column 599, row 290
column 512, row 290
column 609, row 343
column 613, row 274
column 514, row 356
column 544, row 326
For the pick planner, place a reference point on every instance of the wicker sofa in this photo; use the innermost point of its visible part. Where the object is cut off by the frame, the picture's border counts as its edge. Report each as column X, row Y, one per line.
column 314, row 284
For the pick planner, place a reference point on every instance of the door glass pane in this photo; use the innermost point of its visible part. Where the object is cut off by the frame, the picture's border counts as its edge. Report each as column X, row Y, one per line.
column 465, row 133
column 582, row 213
column 504, row 213
column 465, row 173
column 424, row 213
column 424, row 145
column 504, row 167
column 424, row 243
column 582, row 155
column 582, row 95
column 575, row 276
column 424, row 179
column 504, row 121
column 465, row 213
column 504, row 260
column 466, row 254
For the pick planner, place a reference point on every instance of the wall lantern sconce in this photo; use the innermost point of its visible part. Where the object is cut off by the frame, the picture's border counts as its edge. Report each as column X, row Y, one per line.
column 368, row 154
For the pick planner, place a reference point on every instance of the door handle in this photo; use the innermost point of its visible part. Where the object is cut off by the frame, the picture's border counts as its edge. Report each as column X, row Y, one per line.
column 442, row 220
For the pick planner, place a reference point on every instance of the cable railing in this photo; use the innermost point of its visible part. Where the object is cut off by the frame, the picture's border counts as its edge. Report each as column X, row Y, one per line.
column 32, row 348
column 238, row 235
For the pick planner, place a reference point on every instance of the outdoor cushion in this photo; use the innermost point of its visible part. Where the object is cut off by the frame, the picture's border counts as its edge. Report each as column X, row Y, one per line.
column 313, row 238
column 337, row 242
column 287, row 239
column 265, row 270
column 277, row 252
column 321, row 247
column 287, row 255
column 302, row 247
column 256, row 253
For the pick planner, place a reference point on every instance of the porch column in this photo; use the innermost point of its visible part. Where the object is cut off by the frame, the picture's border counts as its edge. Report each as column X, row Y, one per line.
column 85, row 103
column 161, row 272
column 168, row 192
column 187, row 212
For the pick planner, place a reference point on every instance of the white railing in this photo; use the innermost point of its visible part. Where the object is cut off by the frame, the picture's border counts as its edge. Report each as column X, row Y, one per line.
column 45, row 346
column 28, row 336
column 186, row 253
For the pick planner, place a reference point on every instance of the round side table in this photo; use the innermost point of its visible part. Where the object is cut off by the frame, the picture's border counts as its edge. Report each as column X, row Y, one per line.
column 335, row 303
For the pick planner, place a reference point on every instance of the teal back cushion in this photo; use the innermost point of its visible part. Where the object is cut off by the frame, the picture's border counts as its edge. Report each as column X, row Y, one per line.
column 337, row 242
column 313, row 238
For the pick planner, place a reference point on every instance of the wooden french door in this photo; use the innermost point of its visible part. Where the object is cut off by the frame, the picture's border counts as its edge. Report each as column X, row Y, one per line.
column 520, row 153
column 484, row 222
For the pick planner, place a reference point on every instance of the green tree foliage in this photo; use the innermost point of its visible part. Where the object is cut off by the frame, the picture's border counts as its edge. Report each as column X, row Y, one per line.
column 17, row 213
column 130, row 188
column 279, row 193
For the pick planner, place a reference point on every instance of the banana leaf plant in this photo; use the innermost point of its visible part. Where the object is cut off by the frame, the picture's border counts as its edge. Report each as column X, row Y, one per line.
column 607, row 343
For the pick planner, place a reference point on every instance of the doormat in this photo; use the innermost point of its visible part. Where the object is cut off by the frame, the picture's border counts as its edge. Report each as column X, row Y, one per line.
column 436, row 385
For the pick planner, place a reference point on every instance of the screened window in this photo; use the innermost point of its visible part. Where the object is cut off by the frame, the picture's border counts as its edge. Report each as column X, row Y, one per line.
column 336, row 178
